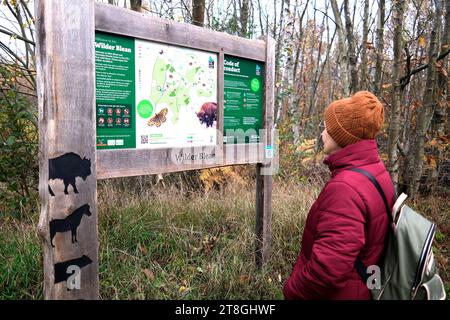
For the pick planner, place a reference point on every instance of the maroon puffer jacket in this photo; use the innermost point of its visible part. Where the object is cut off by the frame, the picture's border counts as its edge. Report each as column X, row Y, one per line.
column 347, row 220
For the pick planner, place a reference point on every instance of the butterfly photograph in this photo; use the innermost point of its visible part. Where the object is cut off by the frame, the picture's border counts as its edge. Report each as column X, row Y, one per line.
column 159, row 118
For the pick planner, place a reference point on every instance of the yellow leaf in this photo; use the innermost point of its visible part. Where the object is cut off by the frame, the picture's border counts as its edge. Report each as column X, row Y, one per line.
column 422, row 41
column 182, row 289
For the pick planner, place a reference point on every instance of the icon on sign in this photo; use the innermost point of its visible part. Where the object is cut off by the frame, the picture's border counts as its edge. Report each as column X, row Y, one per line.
column 110, row 120
column 110, row 111
column 211, row 63
column 101, row 110
column 101, row 120
column 126, row 111
column 118, row 121
column 126, row 121
column 118, row 111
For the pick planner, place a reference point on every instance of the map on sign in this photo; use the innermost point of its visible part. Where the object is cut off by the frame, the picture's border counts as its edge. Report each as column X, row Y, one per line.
column 176, row 96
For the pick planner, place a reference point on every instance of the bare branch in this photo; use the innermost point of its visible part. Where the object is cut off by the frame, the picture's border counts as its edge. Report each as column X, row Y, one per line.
column 15, row 35
column 407, row 78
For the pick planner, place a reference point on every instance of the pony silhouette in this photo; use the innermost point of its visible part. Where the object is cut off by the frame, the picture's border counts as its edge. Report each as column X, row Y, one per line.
column 71, row 222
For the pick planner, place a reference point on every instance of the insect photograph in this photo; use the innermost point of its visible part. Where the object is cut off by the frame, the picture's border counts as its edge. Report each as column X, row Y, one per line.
column 159, row 118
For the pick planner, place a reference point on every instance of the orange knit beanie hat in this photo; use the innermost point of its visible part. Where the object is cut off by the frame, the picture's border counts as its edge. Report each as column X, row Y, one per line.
column 353, row 119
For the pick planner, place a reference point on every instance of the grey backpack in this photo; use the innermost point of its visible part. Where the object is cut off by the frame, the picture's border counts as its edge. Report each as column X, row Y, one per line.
column 407, row 270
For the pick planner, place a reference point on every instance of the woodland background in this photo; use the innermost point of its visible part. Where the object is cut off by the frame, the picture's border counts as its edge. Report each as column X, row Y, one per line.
column 190, row 235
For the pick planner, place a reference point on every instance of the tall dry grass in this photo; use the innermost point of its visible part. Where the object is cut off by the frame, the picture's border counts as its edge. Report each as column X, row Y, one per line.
column 169, row 242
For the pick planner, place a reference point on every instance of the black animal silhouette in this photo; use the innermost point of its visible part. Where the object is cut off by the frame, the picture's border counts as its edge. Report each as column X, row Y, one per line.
column 67, row 167
column 207, row 114
column 71, row 222
column 61, row 267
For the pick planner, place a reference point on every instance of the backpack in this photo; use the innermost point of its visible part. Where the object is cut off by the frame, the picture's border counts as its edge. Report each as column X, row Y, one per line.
column 407, row 269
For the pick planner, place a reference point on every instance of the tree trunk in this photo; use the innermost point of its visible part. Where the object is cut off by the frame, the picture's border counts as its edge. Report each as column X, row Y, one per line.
column 428, row 101
column 447, row 64
column 364, row 85
column 136, row 5
column 394, row 125
column 260, row 18
column 198, row 12
column 244, row 19
column 342, row 49
column 279, row 40
column 438, row 122
column 380, row 48
column 442, row 105
column 352, row 59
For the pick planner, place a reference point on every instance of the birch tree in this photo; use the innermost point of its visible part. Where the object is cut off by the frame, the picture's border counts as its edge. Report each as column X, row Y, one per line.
column 428, row 100
column 394, row 124
column 343, row 52
column 379, row 47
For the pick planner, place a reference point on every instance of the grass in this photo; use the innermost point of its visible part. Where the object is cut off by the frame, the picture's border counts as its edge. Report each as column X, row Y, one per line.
column 169, row 245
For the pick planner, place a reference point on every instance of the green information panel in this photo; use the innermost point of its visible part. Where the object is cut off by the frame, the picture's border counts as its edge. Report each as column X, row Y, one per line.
column 243, row 100
column 115, row 91
column 152, row 95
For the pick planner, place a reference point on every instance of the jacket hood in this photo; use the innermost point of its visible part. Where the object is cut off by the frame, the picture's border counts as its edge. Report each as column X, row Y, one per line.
column 359, row 154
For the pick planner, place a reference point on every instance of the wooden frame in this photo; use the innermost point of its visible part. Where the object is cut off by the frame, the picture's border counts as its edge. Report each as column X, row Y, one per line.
column 65, row 56
column 117, row 163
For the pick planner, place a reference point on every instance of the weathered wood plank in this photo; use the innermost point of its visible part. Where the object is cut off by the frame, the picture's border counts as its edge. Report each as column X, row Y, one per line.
column 134, row 162
column 66, row 98
column 220, row 104
column 264, row 171
column 135, row 24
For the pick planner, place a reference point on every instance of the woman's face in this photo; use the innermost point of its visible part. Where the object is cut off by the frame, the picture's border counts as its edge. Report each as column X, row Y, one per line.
column 329, row 145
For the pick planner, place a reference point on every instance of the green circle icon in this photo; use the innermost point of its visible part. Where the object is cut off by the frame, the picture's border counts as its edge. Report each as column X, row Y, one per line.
column 254, row 85
column 145, row 109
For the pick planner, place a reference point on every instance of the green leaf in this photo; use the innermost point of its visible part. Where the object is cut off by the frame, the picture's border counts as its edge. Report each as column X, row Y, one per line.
column 10, row 140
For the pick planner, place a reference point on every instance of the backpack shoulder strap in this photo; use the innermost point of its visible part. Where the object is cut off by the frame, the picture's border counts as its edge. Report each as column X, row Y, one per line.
column 377, row 186
column 359, row 265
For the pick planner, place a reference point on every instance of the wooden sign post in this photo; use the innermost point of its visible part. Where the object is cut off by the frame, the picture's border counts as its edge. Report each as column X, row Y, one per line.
column 67, row 158
column 104, row 113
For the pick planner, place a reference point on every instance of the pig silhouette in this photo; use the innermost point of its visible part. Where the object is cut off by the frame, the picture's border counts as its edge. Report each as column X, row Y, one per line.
column 207, row 114
column 67, row 167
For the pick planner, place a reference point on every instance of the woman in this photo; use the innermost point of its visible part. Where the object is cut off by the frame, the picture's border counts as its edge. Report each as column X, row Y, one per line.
column 348, row 220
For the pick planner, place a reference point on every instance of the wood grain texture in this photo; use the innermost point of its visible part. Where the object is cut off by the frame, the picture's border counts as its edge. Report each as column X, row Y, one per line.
column 264, row 170
column 66, row 98
column 134, row 162
column 135, row 24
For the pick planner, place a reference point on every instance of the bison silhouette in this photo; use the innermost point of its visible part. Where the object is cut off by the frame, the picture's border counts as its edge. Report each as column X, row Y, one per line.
column 67, row 167
column 61, row 267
